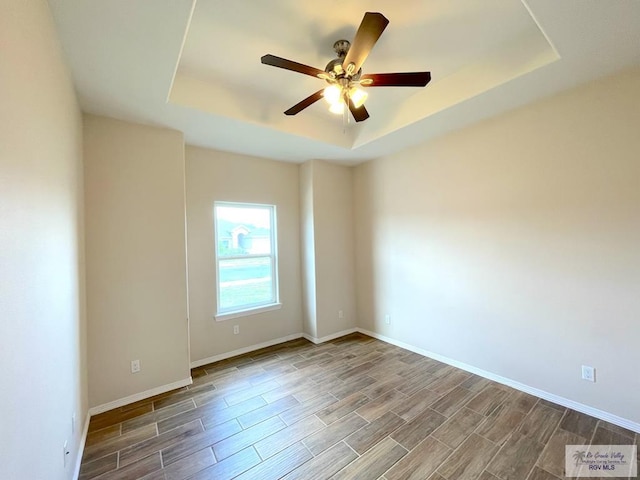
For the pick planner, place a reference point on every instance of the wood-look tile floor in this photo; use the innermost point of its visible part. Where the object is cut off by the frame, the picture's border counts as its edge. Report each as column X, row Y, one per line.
column 354, row 408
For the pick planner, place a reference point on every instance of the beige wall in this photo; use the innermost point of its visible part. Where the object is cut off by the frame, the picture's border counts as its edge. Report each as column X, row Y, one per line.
column 330, row 237
column 218, row 176
column 42, row 326
column 136, row 265
column 512, row 245
column 308, row 251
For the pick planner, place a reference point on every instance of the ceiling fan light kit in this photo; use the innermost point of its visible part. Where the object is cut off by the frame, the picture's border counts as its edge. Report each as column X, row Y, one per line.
column 338, row 93
column 332, row 94
column 337, row 108
column 358, row 96
column 344, row 73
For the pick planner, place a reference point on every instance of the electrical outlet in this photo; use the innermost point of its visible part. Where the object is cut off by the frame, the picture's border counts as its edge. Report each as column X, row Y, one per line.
column 65, row 454
column 387, row 319
column 135, row 366
column 588, row 373
column 236, row 329
column 340, row 314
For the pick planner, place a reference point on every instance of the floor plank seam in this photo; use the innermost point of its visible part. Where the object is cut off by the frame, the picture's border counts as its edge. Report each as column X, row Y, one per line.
column 238, row 406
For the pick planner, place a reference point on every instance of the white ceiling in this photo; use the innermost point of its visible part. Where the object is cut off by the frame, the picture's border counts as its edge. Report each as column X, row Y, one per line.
column 195, row 67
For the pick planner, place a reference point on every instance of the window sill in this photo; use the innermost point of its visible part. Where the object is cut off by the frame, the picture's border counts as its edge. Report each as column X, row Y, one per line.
column 221, row 317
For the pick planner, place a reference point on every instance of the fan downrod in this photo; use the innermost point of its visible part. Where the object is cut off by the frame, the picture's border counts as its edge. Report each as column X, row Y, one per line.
column 341, row 47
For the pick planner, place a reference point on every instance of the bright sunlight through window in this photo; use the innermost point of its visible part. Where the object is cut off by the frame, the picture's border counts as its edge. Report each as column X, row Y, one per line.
column 247, row 280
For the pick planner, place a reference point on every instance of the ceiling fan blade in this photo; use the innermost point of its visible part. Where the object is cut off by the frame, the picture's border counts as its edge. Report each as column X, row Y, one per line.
column 405, row 79
column 372, row 26
column 310, row 100
column 360, row 113
column 290, row 65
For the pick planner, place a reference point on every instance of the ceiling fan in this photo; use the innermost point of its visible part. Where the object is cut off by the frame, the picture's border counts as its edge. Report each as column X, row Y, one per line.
column 344, row 75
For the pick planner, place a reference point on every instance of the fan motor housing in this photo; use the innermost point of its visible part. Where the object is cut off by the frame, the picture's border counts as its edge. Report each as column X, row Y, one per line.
column 334, row 67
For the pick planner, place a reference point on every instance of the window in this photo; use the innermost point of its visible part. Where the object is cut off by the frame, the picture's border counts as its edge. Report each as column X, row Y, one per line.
column 246, row 262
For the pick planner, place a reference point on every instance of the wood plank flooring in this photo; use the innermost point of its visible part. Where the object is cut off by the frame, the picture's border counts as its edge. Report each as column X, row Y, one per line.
column 353, row 408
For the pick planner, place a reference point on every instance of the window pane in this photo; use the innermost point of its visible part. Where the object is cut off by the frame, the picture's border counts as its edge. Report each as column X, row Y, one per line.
column 245, row 282
column 243, row 230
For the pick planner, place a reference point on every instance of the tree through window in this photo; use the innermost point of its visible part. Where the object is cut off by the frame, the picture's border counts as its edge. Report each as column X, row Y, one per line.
column 245, row 256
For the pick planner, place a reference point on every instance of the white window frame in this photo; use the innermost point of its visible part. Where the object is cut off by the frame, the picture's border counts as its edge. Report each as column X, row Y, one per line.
column 252, row 309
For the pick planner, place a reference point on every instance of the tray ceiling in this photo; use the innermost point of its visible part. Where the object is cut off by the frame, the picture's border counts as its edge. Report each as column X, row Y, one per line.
column 195, row 66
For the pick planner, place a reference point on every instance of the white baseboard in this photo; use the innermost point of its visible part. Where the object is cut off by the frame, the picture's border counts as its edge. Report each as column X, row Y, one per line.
column 328, row 338
column 139, row 396
column 565, row 402
column 270, row 343
column 240, row 351
column 80, row 452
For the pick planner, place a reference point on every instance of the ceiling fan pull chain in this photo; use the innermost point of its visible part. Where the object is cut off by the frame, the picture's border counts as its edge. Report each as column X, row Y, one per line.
column 345, row 121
